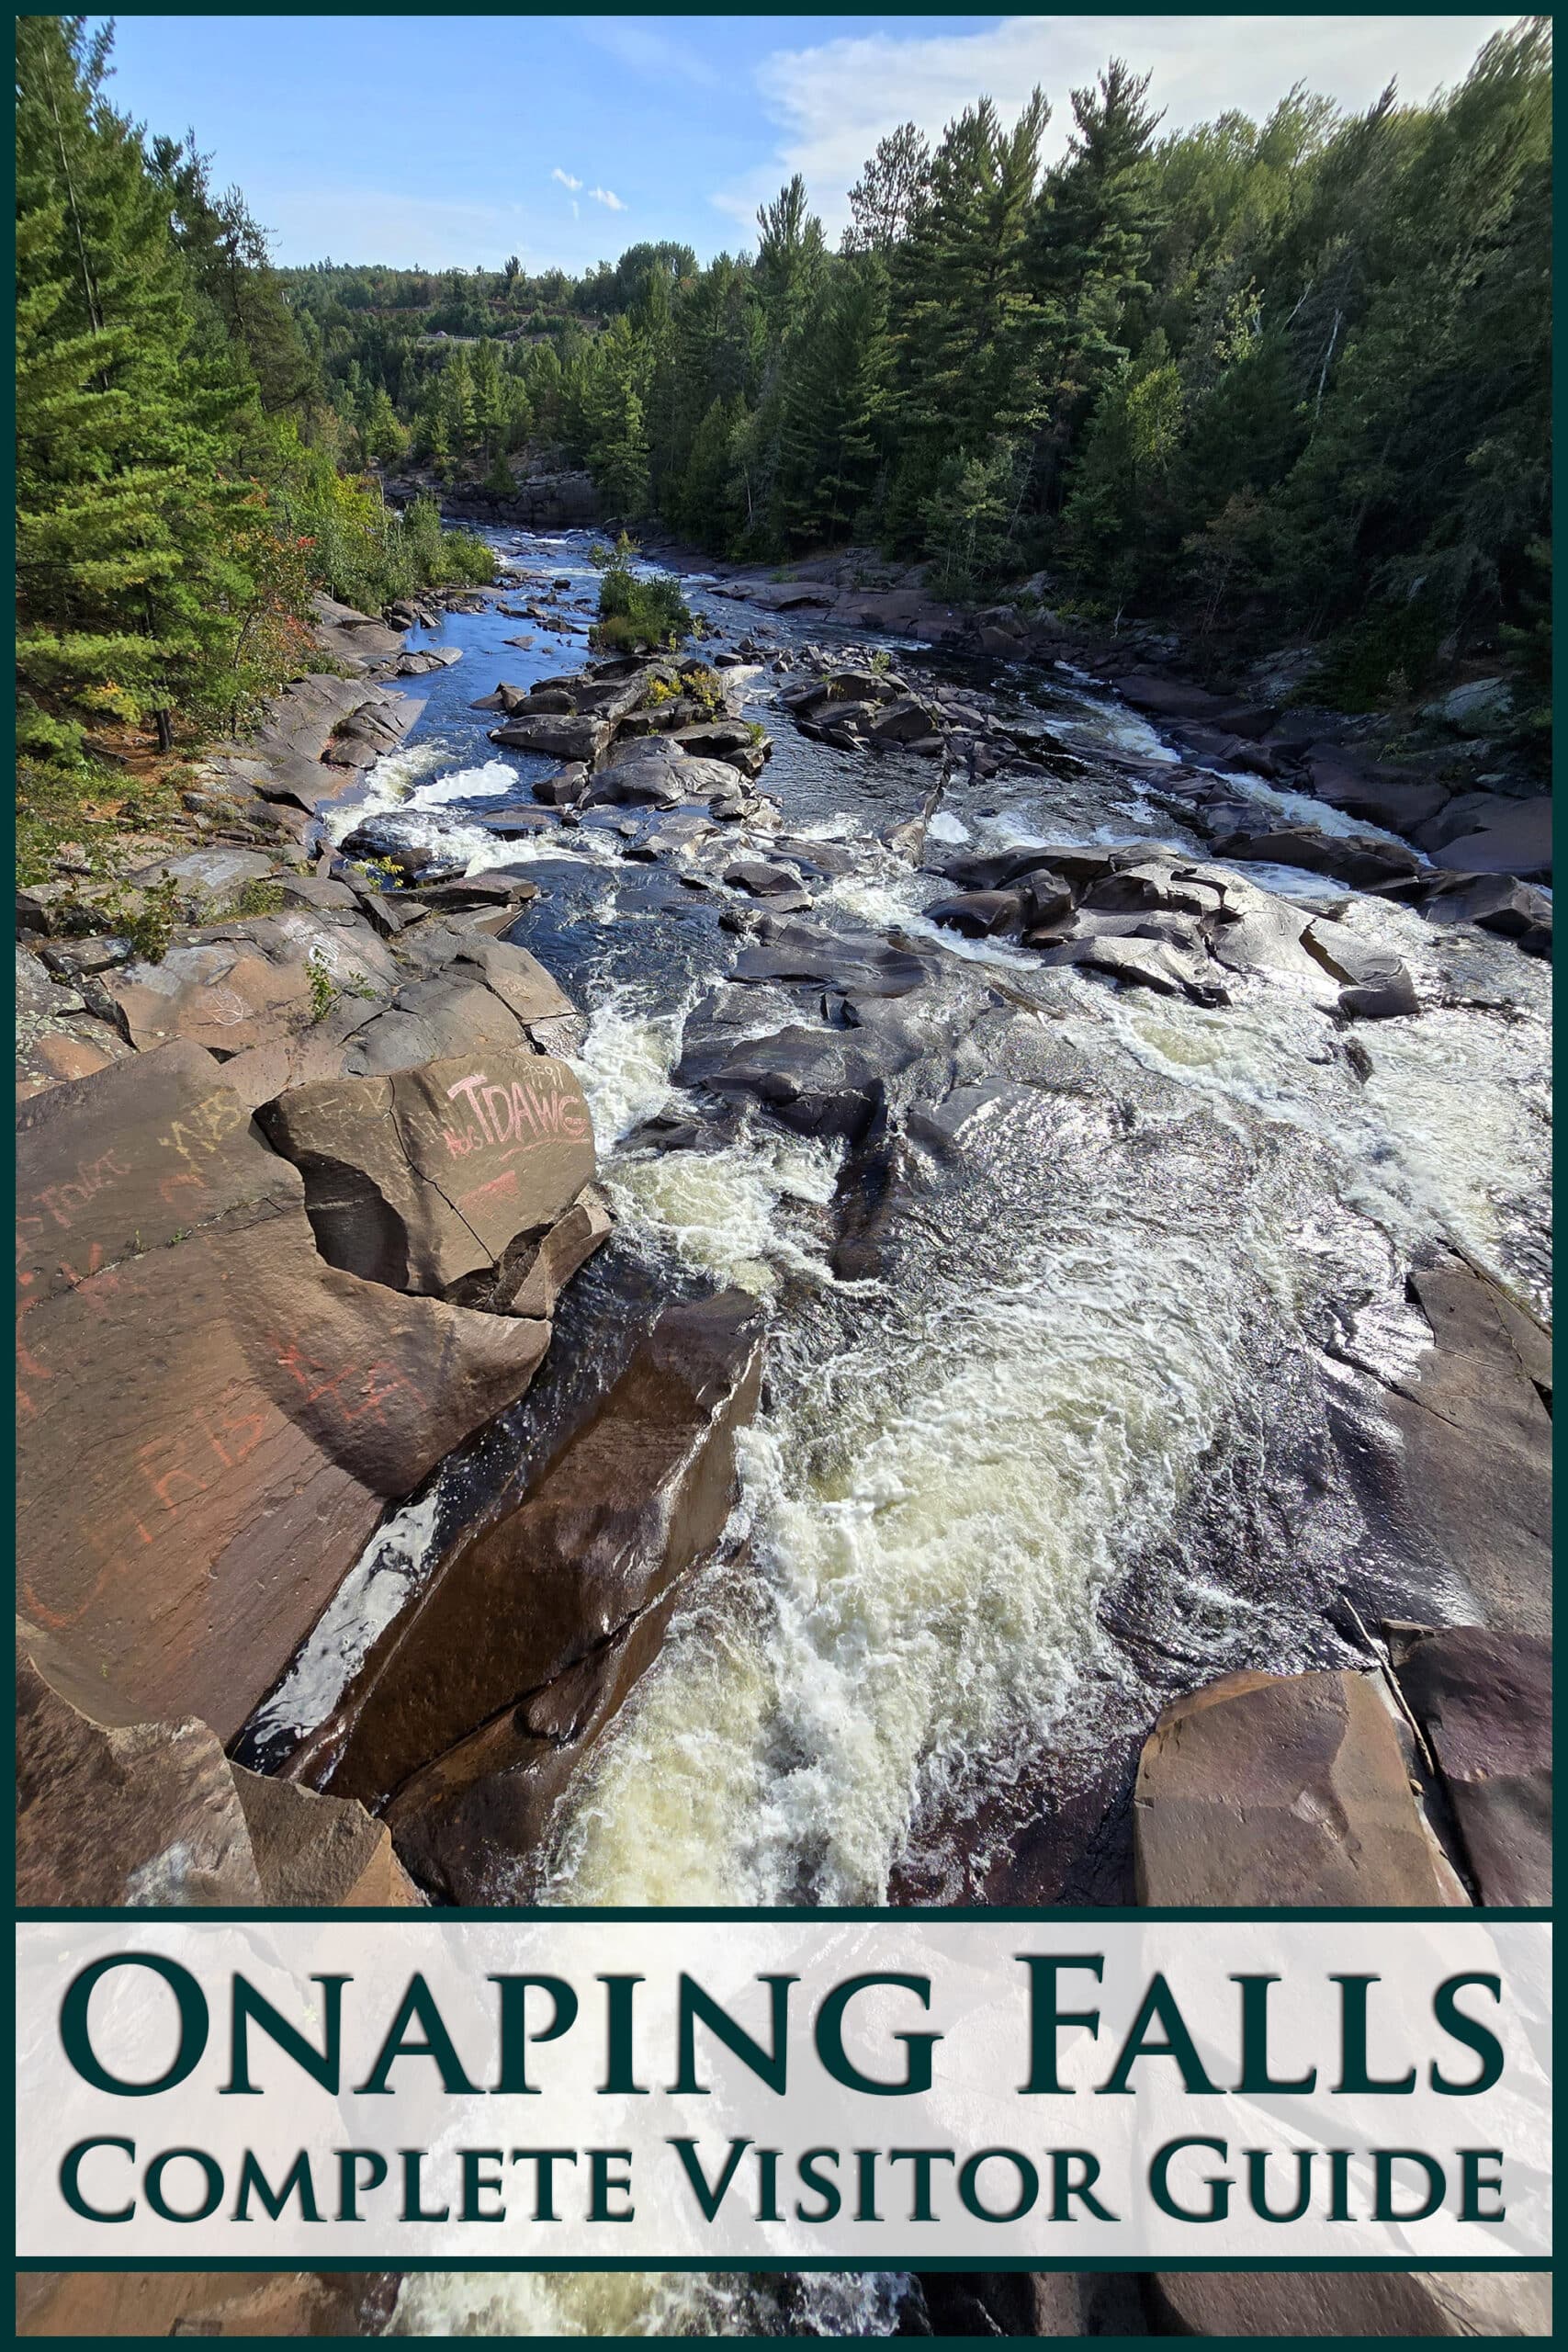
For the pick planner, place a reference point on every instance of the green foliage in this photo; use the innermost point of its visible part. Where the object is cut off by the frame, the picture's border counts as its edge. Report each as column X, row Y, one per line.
column 262, row 896
column 150, row 927
column 324, row 988
column 634, row 612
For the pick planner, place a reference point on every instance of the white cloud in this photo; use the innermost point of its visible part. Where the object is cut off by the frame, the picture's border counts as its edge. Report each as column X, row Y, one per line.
column 565, row 179
column 834, row 102
column 607, row 196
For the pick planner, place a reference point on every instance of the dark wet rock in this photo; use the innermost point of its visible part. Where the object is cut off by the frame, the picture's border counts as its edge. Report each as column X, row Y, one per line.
column 558, row 737
column 1515, row 837
column 1359, row 859
column 982, row 914
column 507, row 698
column 459, row 892
column 818, row 1082
column 1378, row 796
column 1270, row 1788
column 904, row 721
column 565, row 788
column 653, row 771
column 1483, row 1701
column 1161, row 697
column 429, row 1176
column 778, row 886
column 1499, row 902
column 483, row 1697
column 1025, row 2303
column 860, row 960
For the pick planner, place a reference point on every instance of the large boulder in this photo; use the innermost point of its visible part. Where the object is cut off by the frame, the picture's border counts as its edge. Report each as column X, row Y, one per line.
column 546, row 1614
column 429, row 1175
column 113, row 1811
column 211, row 1417
column 1362, row 860
column 652, row 771
column 1278, row 1788
column 556, row 735
column 818, row 1082
column 1483, row 1701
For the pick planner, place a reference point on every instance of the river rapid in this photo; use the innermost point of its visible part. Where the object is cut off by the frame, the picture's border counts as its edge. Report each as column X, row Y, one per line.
column 1077, row 1439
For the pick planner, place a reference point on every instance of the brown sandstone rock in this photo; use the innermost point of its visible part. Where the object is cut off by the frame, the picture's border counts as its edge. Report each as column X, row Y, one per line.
column 90, row 2303
column 313, row 1850
column 420, row 1179
column 212, row 1418
column 110, row 1811
column 1270, row 1788
column 629, row 1504
column 221, row 995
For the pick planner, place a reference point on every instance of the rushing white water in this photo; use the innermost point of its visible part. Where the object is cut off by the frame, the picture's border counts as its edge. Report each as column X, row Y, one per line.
column 1117, row 1278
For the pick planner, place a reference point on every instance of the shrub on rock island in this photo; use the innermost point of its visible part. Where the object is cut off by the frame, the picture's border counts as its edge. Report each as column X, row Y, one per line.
column 635, row 612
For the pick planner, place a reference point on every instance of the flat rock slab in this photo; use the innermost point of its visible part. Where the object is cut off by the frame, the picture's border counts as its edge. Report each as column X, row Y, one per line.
column 210, row 1417
column 221, row 995
column 864, row 961
column 428, row 1175
column 1515, row 838
column 1279, row 1788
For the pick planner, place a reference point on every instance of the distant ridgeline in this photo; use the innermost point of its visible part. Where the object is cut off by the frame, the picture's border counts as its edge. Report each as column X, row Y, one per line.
column 1287, row 380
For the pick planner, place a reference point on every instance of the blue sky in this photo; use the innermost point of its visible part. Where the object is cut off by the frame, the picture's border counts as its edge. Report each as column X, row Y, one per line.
column 437, row 141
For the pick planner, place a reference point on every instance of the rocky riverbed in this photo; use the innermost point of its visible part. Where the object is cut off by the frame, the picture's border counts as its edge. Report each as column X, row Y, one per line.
column 755, row 1260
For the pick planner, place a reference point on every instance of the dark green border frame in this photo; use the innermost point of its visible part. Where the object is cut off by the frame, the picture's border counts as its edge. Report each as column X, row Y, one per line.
column 927, row 2262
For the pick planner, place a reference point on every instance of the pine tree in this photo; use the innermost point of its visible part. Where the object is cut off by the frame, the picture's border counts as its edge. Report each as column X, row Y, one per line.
column 130, row 538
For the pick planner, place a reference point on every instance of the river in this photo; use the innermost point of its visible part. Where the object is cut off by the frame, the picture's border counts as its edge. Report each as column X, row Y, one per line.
column 1077, row 1441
